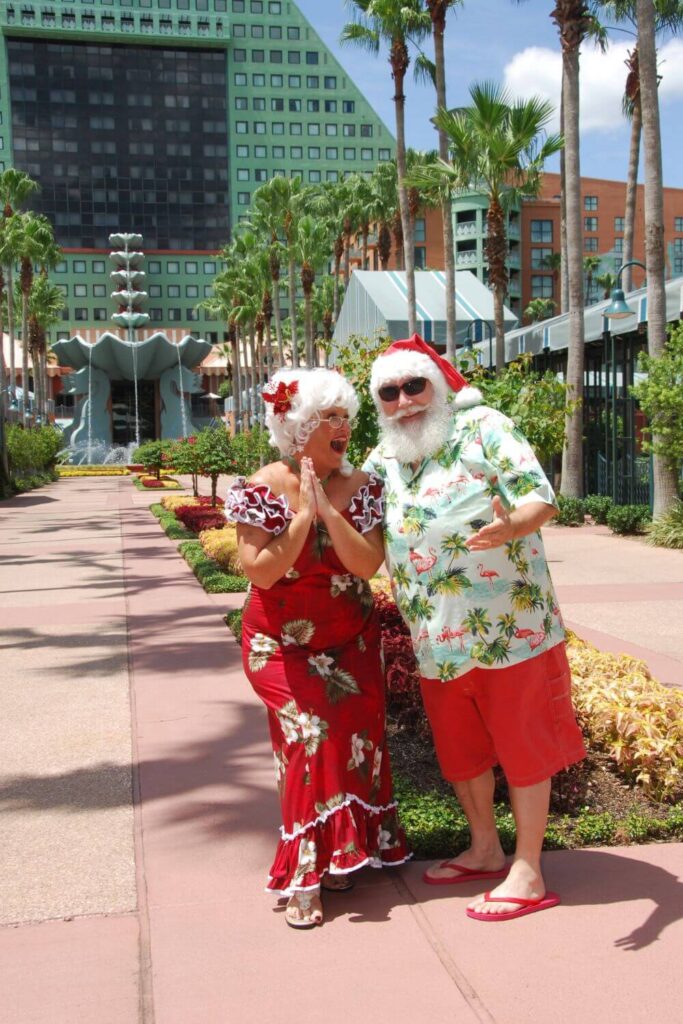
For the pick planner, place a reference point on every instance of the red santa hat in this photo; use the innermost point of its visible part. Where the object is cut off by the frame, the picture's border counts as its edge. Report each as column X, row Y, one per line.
column 413, row 357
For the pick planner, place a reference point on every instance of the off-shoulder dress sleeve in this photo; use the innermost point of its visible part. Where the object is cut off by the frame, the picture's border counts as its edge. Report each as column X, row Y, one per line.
column 367, row 505
column 256, row 505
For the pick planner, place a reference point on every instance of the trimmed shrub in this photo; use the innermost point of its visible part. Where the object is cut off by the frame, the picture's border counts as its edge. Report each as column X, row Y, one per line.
column 623, row 519
column 169, row 524
column 667, row 530
column 209, row 574
column 221, row 545
column 597, row 506
column 572, row 512
column 233, row 620
column 200, row 517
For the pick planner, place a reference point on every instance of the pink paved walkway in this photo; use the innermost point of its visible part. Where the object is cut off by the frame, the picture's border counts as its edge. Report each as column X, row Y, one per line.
column 204, row 945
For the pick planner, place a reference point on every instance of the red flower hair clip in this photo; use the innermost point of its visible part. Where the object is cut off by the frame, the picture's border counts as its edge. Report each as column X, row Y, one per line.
column 281, row 397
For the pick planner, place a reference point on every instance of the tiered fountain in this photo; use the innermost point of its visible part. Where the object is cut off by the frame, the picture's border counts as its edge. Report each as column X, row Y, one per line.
column 116, row 360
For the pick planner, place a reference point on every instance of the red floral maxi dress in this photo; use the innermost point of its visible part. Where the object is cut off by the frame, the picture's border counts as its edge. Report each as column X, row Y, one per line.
column 312, row 651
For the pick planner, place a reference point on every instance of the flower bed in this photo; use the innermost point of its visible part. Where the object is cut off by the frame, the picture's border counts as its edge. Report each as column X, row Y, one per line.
column 69, row 471
column 210, row 574
column 167, row 483
column 221, row 545
column 200, row 517
column 174, row 501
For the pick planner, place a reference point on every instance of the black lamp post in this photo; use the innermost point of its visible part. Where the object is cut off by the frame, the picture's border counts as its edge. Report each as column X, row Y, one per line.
column 618, row 309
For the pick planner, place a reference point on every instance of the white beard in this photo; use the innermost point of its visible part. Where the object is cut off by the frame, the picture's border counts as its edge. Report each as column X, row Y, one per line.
column 411, row 440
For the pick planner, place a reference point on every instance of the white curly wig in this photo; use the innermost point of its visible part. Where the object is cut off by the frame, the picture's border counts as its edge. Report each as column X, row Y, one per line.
column 318, row 389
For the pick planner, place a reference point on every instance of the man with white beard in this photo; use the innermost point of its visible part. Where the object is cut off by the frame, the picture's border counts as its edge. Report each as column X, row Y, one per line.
column 465, row 498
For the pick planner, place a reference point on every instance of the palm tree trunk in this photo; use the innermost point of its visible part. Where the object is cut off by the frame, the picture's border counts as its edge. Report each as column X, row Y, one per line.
column 408, row 233
column 4, row 465
column 237, row 383
column 499, row 324
column 564, row 264
column 308, row 321
column 24, row 359
column 446, row 212
column 10, row 331
column 292, row 311
column 664, row 474
column 365, row 246
column 631, row 193
column 572, row 455
column 278, row 321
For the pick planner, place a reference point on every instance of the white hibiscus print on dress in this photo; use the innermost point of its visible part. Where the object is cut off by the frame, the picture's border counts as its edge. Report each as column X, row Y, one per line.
column 321, row 663
column 357, row 750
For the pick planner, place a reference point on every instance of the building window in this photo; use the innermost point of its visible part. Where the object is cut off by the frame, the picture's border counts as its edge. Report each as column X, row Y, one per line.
column 239, row 56
column 258, row 56
column 174, row 313
column 330, row 129
column 100, row 290
column 312, row 57
column 384, row 154
column 81, row 313
column 275, row 56
column 277, row 81
column 538, row 258
column 155, row 314
column 173, row 291
column 238, row 6
column 243, row 198
column 331, row 153
column 590, row 245
column 366, row 131
column 296, row 128
column 678, row 245
column 79, row 266
column 541, row 286
column 313, row 152
column 274, row 7
column 154, row 291
column 296, row 152
column 312, row 82
column 154, row 267
column 278, row 152
column 242, row 151
column 260, row 127
column 275, row 32
column 256, row 6
column 278, row 127
column 258, row 81
column 314, row 176
column 277, row 104
column 590, row 202
column 98, row 266
column 294, row 81
column 330, row 81
column 293, row 57
column 191, row 314
column 420, row 229
column 349, row 131
column 99, row 313
column 678, row 265
column 257, row 31
column 241, row 103
column 293, row 32
column 618, row 245
column 313, row 106
column 420, row 257
column 332, row 176
column 240, row 78
column 541, row 231
column 241, row 127
column 295, row 106
column 261, row 152
column 349, row 153
column 209, row 267
column 348, row 106
column 172, row 267
column 366, row 154
column 330, row 106
column 619, row 223
column 314, row 129
column 590, row 223
column 80, row 291
column 678, row 224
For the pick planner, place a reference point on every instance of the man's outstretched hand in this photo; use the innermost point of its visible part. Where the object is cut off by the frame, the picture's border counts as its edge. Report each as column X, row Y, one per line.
column 496, row 533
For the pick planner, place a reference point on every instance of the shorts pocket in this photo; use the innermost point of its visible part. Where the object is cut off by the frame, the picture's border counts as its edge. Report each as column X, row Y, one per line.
column 560, row 693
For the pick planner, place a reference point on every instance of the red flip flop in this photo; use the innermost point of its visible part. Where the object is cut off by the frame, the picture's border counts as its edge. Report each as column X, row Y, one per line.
column 551, row 899
column 464, row 874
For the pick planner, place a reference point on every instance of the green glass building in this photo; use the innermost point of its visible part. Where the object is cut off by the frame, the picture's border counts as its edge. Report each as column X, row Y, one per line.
column 163, row 117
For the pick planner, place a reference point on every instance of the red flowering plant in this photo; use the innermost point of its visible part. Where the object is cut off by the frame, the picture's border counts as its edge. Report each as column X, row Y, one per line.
column 151, row 481
column 200, row 517
column 280, row 397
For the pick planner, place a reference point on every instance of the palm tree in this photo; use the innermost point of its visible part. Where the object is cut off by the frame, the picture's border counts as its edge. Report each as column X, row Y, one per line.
column 269, row 208
column 664, row 474
column 398, row 23
column 438, row 11
column 38, row 246
column 44, row 311
column 590, row 265
column 496, row 146
column 311, row 248
column 574, row 22
column 15, row 189
column 607, row 282
column 385, row 201
column 539, row 309
column 323, row 310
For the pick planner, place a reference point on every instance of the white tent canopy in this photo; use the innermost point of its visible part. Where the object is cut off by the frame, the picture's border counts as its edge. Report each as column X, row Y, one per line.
column 377, row 301
column 553, row 335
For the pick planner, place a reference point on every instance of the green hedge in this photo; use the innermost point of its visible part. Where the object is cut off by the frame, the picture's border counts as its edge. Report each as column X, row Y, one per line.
column 623, row 519
column 209, row 573
column 572, row 512
column 170, row 525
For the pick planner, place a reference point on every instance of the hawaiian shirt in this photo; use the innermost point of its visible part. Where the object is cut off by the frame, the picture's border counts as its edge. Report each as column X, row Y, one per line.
column 468, row 609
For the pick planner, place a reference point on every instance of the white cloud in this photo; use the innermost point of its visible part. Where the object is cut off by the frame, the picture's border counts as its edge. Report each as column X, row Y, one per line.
column 538, row 71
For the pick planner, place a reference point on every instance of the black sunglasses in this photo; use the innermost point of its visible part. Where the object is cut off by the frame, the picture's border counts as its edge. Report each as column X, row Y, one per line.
column 414, row 386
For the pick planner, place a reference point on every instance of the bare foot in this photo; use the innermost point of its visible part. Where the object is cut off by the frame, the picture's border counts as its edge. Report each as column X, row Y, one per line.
column 473, row 860
column 337, row 883
column 523, row 882
column 304, row 910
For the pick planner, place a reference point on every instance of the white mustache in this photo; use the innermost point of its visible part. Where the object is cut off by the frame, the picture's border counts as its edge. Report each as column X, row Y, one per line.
column 401, row 414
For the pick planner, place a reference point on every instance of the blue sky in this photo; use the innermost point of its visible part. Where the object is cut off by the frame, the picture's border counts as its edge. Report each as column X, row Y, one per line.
column 517, row 45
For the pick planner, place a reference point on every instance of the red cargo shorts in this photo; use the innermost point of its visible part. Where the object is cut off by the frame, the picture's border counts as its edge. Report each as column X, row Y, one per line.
column 520, row 717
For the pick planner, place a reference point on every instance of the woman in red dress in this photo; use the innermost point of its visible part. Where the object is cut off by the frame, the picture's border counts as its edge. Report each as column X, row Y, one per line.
column 309, row 535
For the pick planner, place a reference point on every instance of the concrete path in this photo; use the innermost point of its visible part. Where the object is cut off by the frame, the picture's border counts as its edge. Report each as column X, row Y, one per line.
column 136, row 895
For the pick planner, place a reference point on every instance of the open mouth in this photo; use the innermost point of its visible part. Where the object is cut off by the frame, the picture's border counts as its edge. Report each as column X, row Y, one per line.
column 338, row 445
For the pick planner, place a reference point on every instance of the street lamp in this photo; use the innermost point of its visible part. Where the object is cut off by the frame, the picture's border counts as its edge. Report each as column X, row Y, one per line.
column 478, row 336
column 618, row 308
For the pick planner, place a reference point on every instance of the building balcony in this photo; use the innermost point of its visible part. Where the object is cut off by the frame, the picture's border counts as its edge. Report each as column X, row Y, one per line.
column 513, row 231
column 466, row 259
column 514, row 259
column 41, row 19
column 466, row 230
